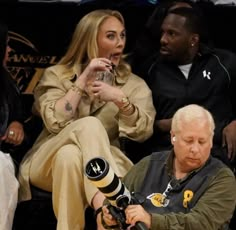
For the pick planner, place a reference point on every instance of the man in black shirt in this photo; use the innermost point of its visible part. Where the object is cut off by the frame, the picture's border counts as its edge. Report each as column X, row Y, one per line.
column 187, row 71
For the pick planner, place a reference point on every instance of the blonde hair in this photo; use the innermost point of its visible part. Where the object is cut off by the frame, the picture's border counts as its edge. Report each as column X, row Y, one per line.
column 84, row 47
column 192, row 113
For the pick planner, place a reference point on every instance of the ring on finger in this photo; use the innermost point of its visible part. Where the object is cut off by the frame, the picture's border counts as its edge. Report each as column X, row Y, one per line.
column 11, row 133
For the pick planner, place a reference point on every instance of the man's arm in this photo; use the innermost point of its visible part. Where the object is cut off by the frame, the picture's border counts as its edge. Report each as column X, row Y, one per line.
column 229, row 139
column 163, row 125
column 229, row 132
column 213, row 209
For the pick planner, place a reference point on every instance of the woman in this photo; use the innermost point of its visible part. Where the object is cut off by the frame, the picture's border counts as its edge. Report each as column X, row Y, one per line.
column 85, row 117
column 11, row 134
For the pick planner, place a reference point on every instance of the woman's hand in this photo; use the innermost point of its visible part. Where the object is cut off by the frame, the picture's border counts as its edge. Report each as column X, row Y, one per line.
column 96, row 64
column 106, row 92
column 14, row 133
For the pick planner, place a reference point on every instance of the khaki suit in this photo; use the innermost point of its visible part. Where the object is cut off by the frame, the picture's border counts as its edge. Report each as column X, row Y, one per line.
column 57, row 160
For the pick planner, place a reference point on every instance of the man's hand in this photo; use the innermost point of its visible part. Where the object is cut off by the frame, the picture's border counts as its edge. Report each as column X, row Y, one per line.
column 107, row 217
column 14, row 133
column 135, row 213
column 229, row 139
column 99, row 222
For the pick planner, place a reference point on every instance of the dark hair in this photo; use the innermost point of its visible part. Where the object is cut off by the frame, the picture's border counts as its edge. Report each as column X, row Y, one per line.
column 155, row 20
column 150, row 36
column 194, row 21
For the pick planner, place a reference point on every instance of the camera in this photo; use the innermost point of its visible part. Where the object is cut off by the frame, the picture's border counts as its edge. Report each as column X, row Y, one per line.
column 103, row 177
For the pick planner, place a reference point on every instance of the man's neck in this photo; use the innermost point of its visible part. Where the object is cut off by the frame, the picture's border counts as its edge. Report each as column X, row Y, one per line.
column 178, row 172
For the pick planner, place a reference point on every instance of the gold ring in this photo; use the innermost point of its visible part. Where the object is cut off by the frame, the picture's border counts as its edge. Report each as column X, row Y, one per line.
column 11, row 133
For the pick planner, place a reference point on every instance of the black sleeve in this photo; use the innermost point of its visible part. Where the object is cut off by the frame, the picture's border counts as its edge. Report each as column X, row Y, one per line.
column 231, row 66
column 16, row 105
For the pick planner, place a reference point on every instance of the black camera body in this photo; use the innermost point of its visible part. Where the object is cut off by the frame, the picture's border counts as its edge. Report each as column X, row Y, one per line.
column 118, row 212
column 103, row 177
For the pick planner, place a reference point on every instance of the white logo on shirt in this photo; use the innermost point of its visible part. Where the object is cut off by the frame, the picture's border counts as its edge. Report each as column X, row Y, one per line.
column 206, row 74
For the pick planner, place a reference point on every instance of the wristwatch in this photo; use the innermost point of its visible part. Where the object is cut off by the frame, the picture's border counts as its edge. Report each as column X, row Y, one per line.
column 122, row 103
column 125, row 100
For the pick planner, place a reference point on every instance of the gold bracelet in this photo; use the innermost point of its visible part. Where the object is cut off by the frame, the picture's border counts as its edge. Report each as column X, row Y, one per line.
column 125, row 106
column 125, row 103
column 128, row 109
column 77, row 89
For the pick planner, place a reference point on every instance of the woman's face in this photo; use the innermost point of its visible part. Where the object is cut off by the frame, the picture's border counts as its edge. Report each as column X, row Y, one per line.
column 111, row 39
column 8, row 50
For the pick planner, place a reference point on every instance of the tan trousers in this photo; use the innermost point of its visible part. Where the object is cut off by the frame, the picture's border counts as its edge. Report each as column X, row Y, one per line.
column 59, row 166
column 8, row 191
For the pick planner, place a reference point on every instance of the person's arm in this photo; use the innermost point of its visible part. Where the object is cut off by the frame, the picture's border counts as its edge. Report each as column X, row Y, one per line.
column 137, row 215
column 68, row 103
column 14, row 134
column 46, row 94
column 138, row 126
column 132, row 181
column 229, row 131
column 15, row 131
column 213, row 209
column 163, row 125
column 134, row 101
column 229, row 139
column 57, row 98
column 16, row 105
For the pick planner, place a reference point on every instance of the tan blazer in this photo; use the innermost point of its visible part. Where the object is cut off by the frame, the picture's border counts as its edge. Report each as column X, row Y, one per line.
column 138, row 126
